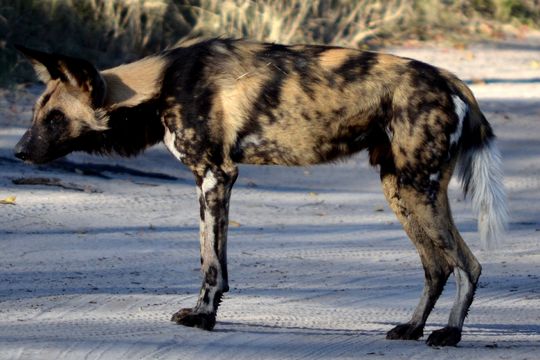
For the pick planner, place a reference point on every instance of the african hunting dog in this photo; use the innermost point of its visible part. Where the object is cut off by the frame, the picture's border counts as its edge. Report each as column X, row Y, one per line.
column 220, row 102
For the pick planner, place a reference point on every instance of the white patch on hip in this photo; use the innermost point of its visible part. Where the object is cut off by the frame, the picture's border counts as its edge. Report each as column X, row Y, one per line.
column 169, row 139
column 252, row 139
column 209, row 182
column 461, row 110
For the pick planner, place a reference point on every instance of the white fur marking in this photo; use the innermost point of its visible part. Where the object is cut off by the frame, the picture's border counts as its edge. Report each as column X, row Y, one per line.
column 208, row 248
column 489, row 198
column 169, row 139
column 418, row 315
column 208, row 253
column 461, row 110
column 483, row 167
column 389, row 133
column 209, row 182
column 463, row 292
column 434, row 176
column 207, row 308
column 251, row 140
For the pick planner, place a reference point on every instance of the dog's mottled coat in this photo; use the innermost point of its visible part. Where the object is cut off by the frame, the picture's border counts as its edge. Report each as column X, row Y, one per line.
column 220, row 102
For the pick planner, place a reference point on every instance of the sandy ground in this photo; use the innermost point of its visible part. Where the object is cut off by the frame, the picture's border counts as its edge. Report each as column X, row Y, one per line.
column 319, row 266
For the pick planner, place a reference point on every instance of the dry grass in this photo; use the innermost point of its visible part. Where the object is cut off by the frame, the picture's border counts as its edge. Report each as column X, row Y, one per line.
column 109, row 32
column 289, row 21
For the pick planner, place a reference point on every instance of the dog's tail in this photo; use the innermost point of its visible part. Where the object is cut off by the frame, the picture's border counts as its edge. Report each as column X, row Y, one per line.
column 479, row 170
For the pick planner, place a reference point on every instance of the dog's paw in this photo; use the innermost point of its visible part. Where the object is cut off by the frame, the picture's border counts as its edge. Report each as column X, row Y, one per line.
column 405, row 332
column 448, row 336
column 189, row 318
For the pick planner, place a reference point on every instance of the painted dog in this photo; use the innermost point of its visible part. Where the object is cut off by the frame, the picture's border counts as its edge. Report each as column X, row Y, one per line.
column 219, row 102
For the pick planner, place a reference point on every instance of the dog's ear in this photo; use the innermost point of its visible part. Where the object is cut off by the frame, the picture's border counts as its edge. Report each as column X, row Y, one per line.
column 45, row 65
column 77, row 72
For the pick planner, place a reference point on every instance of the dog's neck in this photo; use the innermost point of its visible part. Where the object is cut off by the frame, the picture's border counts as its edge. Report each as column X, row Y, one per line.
column 131, row 129
column 131, row 112
column 131, row 84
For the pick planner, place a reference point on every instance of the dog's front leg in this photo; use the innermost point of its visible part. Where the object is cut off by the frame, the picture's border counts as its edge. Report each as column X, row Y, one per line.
column 214, row 190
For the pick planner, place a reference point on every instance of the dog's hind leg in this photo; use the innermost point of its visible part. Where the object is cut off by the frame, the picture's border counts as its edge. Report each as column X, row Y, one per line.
column 214, row 185
column 467, row 270
column 435, row 265
column 428, row 222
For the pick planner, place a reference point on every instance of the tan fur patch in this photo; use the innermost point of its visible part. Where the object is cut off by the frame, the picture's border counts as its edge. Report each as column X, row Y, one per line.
column 73, row 102
column 133, row 83
column 334, row 58
column 237, row 97
column 239, row 89
column 41, row 71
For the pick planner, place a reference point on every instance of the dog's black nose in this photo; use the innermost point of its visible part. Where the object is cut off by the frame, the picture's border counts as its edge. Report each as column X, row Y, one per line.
column 19, row 153
column 21, row 149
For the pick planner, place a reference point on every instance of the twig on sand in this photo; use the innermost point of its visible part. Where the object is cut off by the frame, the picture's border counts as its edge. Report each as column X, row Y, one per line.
column 92, row 169
column 54, row 182
column 98, row 170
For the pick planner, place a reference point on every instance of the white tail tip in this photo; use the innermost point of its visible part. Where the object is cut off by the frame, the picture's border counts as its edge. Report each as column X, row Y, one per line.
column 480, row 170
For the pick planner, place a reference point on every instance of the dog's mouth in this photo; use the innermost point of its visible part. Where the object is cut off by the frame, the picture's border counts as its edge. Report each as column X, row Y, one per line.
column 32, row 159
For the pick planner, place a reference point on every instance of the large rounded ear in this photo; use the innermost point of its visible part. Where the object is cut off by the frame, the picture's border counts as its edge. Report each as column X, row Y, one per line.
column 77, row 72
column 45, row 65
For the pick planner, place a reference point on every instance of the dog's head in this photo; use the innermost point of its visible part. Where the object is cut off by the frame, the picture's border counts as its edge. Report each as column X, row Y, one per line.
column 66, row 110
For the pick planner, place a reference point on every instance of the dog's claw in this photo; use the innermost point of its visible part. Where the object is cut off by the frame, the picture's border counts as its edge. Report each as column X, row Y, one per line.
column 405, row 332
column 448, row 336
column 188, row 317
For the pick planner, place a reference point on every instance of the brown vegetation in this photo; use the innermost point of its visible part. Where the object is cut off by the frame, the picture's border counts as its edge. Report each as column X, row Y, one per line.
column 115, row 31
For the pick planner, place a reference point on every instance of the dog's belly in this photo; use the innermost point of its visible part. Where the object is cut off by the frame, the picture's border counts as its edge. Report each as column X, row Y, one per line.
column 298, row 143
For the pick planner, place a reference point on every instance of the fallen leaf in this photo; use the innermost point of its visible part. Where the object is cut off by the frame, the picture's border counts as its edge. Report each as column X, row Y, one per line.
column 535, row 64
column 234, row 223
column 10, row 200
column 313, row 193
column 478, row 81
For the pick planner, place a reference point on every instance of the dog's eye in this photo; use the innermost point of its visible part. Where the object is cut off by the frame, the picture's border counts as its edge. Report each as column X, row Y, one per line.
column 54, row 116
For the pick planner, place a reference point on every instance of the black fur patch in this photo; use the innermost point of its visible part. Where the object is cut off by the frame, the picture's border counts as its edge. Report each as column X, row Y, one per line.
column 275, row 59
column 131, row 130
column 428, row 78
column 186, row 84
column 406, row 332
column 448, row 336
column 46, row 98
column 211, row 276
column 357, row 67
column 206, row 296
column 202, row 206
column 46, row 140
